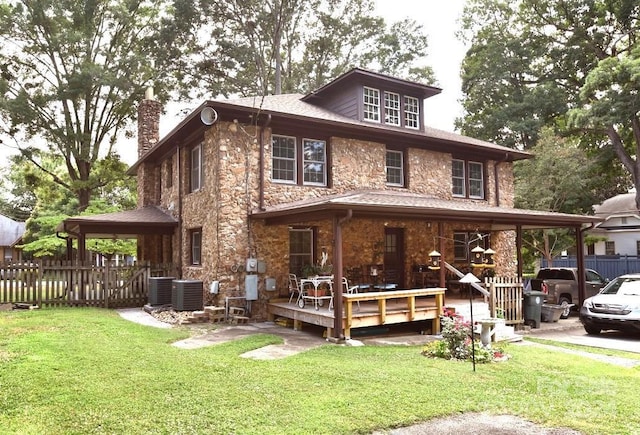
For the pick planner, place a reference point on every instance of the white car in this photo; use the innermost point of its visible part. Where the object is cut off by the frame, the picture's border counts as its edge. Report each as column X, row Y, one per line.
column 617, row 306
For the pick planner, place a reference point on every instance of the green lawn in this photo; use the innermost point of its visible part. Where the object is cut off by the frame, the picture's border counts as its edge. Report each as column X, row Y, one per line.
column 88, row 371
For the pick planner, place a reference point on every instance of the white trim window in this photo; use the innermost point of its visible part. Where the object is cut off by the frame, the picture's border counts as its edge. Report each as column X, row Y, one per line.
column 392, row 108
column 476, row 180
column 283, row 158
column 371, row 104
column 457, row 178
column 196, row 168
column 394, row 168
column 467, row 179
column 300, row 249
column 314, row 164
column 411, row 112
column 196, row 246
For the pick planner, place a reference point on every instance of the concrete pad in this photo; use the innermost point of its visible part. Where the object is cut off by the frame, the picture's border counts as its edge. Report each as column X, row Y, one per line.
column 138, row 315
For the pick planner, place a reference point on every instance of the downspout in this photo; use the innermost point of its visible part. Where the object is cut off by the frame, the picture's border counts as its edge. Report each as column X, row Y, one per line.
column 261, row 163
column 338, row 332
column 180, row 229
column 495, row 177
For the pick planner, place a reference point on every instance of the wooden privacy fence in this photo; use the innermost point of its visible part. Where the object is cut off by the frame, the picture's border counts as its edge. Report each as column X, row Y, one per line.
column 44, row 283
column 505, row 299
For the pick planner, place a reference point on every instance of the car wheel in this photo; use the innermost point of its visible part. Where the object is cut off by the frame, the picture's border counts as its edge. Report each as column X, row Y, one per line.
column 565, row 303
column 592, row 330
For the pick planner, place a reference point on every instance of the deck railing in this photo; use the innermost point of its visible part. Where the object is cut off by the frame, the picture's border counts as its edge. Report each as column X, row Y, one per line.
column 412, row 311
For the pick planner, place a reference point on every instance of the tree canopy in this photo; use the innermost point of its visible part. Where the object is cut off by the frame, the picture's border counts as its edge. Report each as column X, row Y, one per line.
column 569, row 64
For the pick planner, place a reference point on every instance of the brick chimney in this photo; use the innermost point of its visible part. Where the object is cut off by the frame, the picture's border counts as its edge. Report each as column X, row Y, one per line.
column 148, row 174
column 148, row 122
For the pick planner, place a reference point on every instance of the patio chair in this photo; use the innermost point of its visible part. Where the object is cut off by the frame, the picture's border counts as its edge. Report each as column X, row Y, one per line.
column 347, row 289
column 294, row 288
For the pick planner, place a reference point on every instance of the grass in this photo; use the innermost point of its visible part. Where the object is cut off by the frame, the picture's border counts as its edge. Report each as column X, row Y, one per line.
column 596, row 350
column 70, row 370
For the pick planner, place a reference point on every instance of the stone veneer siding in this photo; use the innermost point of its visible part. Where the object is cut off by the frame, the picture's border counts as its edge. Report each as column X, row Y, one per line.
column 231, row 190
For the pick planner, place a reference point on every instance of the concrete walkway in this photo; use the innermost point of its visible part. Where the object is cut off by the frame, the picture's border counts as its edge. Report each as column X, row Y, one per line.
column 299, row 341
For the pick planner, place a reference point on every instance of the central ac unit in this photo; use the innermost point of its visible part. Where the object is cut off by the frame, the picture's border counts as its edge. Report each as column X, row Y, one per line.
column 160, row 290
column 187, row 295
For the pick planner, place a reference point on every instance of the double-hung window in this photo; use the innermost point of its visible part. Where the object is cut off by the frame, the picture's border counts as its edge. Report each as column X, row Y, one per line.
column 196, row 246
column 394, row 168
column 314, row 163
column 371, row 100
column 283, row 159
column 467, row 179
column 300, row 249
column 196, row 168
column 411, row 112
column 392, row 108
column 287, row 158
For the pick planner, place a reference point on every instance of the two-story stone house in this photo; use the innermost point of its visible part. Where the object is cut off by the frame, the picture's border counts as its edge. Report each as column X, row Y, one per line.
column 350, row 170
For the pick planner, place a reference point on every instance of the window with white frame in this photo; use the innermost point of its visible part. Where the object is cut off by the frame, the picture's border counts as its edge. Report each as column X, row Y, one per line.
column 467, row 179
column 314, row 162
column 476, row 180
column 196, row 168
column 458, row 177
column 394, row 168
column 300, row 249
column 283, row 158
column 371, row 100
column 196, row 246
column 411, row 112
column 609, row 248
column 392, row 108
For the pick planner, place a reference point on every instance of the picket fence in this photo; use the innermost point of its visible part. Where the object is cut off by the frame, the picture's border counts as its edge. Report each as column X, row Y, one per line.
column 49, row 284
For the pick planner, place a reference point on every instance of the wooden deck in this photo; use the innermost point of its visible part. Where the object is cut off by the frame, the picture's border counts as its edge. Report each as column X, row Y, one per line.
column 374, row 309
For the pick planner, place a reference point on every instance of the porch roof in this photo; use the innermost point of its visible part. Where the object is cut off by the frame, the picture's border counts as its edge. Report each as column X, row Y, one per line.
column 393, row 204
column 144, row 220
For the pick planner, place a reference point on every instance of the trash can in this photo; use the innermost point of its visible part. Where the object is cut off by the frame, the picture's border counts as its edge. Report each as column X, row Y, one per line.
column 533, row 301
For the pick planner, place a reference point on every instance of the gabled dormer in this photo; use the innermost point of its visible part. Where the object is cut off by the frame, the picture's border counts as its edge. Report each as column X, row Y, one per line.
column 377, row 98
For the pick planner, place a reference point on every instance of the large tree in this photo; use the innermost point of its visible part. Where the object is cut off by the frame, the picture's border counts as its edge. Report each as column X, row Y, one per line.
column 566, row 63
column 71, row 73
column 260, row 47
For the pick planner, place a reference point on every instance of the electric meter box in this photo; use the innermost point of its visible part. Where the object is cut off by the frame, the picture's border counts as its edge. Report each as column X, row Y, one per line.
column 251, row 287
column 252, row 265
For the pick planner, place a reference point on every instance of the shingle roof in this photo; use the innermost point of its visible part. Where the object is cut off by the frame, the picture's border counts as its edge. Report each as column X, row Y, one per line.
column 10, row 231
column 293, row 105
column 407, row 204
column 144, row 220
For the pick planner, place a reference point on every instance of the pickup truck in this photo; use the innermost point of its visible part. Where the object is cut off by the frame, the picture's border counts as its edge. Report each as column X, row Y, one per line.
column 560, row 286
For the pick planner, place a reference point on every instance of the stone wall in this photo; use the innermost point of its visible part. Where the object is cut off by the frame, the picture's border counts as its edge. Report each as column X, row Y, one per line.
column 231, row 155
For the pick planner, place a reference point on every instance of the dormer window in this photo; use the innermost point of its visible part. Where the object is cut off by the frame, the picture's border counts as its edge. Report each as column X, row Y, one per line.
column 392, row 108
column 411, row 112
column 371, row 104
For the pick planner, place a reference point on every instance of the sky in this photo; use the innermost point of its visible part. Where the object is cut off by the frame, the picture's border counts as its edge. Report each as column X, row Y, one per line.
column 445, row 54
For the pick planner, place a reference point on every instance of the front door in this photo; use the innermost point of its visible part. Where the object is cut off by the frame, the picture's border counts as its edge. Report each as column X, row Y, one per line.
column 394, row 256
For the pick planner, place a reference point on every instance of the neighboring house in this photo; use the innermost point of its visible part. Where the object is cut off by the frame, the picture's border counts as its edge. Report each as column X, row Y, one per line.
column 11, row 233
column 350, row 171
column 620, row 227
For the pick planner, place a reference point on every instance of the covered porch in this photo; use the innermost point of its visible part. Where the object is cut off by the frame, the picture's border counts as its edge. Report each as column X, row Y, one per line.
column 429, row 224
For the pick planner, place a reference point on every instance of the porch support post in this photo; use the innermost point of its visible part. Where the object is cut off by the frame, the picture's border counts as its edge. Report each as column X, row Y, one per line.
column 519, row 250
column 338, row 331
column 580, row 265
column 443, row 275
column 82, row 247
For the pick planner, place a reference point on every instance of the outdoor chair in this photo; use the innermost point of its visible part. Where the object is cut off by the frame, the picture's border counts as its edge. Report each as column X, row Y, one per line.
column 294, row 288
column 347, row 289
